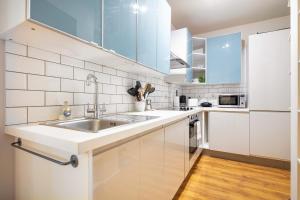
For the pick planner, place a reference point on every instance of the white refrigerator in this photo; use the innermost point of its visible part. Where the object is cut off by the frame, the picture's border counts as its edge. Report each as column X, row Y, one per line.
column 269, row 94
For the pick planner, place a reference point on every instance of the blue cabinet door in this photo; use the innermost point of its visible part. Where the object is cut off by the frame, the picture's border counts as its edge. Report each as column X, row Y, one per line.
column 120, row 27
column 189, row 74
column 146, row 32
column 163, row 36
column 224, row 59
column 79, row 18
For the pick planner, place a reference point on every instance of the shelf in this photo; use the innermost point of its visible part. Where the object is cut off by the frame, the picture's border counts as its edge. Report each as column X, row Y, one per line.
column 198, row 68
column 199, row 54
column 192, row 84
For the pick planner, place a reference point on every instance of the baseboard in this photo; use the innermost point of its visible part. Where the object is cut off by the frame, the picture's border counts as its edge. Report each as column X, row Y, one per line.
column 266, row 162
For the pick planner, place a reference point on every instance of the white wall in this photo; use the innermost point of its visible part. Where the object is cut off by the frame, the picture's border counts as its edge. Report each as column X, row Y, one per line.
column 6, row 151
column 249, row 29
column 210, row 92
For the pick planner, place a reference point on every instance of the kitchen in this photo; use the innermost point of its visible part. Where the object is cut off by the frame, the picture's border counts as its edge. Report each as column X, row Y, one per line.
column 114, row 99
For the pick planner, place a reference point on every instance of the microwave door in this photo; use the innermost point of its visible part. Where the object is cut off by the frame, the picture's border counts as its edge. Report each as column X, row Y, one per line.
column 229, row 101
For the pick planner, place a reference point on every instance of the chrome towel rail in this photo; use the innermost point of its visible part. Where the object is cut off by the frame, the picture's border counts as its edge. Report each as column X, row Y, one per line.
column 73, row 160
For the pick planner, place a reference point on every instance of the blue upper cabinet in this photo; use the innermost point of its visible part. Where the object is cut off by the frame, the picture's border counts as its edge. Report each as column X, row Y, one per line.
column 76, row 17
column 163, row 36
column 224, row 59
column 120, row 27
column 146, row 33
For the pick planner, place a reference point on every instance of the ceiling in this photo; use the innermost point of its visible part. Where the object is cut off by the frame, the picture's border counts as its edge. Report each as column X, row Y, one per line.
column 202, row 16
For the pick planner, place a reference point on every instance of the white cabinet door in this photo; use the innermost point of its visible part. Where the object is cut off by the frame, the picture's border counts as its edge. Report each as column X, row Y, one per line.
column 37, row 178
column 269, row 67
column 270, row 134
column 152, row 166
column 116, row 173
column 174, row 156
column 229, row 132
column 187, row 165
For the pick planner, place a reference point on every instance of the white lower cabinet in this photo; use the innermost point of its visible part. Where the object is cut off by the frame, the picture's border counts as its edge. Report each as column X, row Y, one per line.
column 152, row 166
column 116, row 173
column 270, row 134
column 174, row 156
column 149, row 167
column 229, row 132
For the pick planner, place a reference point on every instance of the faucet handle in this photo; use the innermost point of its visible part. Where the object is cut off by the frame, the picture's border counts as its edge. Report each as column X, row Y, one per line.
column 90, row 110
column 102, row 109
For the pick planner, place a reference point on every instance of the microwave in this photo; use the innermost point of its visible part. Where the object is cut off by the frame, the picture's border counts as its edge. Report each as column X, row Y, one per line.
column 232, row 101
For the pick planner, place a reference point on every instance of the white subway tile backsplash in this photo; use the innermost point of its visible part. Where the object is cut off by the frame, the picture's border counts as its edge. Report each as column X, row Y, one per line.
column 15, row 116
column 93, row 67
column 103, row 78
column 43, row 83
column 128, row 99
column 83, row 98
column 72, row 61
column 122, row 74
column 58, row 70
column 77, row 111
column 43, row 55
column 116, row 99
column 72, row 85
column 15, row 48
column 24, row 64
column 38, row 82
column 116, row 80
column 38, row 114
column 109, row 89
column 108, row 70
column 58, row 98
column 81, row 74
column 18, row 98
column 15, row 81
column 128, row 82
column 111, row 108
column 122, row 108
column 122, row 90
column 104, row 98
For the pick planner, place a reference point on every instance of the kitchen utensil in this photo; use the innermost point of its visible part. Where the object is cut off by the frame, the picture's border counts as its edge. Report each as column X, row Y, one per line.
column 152, row 90
column 147, row 89
column 138, row 85
column 206, row 104
column 148, row 104
column 132, row 92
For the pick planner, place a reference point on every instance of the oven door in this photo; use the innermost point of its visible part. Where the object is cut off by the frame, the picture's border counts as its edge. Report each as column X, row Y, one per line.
column 193, row 138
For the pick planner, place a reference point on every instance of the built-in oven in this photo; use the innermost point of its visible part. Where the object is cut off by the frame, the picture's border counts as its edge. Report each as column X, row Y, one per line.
column 195, row 134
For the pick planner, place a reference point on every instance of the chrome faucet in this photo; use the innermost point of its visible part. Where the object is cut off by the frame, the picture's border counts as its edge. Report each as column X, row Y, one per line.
column 95, row 110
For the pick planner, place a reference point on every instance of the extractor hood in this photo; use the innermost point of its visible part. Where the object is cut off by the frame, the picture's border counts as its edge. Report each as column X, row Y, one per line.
column 180, row 53
column 177, row 62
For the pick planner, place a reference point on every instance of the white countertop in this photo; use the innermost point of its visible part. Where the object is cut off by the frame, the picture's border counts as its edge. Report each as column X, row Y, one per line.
column 77, row 142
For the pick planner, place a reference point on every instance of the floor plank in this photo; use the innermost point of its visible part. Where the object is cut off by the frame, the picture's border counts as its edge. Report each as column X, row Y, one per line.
column 218, row 179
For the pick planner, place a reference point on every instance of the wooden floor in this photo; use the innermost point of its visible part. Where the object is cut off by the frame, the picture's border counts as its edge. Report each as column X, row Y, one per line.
column 219, row 179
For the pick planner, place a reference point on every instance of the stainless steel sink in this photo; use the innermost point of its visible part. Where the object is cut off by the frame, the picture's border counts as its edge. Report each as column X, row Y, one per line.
column 95, row 125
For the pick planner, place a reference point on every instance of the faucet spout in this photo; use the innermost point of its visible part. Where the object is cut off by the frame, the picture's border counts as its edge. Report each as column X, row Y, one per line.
column 89, row 79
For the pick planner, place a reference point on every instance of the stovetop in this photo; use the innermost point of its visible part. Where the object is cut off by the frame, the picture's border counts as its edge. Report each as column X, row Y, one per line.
column 185, row 108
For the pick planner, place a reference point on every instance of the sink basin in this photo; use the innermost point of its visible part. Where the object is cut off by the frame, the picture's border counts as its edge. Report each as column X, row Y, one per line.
column 95, row 125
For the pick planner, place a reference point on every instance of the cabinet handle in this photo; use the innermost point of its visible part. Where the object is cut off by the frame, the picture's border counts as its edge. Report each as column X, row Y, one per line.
column 73, row 160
